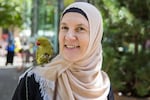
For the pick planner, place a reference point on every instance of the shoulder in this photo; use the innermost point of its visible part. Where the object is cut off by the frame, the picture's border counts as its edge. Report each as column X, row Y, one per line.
column 36, row 82
column 111, row 94
column 28, row 78
column 27, row 88
column 27, row 73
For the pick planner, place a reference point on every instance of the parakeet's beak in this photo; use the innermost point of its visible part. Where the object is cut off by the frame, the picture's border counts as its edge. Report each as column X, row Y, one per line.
column 37, row 43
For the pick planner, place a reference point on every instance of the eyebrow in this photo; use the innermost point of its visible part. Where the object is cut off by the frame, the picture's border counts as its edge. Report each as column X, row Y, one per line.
column 83, row 25
column 62, row 23
column 77, row 25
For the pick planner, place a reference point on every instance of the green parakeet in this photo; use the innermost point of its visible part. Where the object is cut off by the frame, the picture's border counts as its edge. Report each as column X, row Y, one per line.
column 44, row 51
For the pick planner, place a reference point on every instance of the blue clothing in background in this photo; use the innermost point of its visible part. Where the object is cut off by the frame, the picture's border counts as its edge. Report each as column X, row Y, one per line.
column 10, row 47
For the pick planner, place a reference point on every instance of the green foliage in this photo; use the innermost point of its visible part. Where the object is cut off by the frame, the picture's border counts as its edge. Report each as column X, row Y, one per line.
column 10, row 13
column 67, row 2
column 46, row 15
column 126, row 58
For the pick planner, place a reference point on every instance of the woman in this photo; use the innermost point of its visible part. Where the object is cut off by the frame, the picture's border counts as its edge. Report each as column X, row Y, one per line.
column 75, row 73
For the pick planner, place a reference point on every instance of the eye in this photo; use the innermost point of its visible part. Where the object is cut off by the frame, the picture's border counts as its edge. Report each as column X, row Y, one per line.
column 80, row 29
column 64, row 28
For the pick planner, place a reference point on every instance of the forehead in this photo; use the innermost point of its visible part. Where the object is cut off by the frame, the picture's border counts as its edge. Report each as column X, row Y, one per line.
column 74, row 17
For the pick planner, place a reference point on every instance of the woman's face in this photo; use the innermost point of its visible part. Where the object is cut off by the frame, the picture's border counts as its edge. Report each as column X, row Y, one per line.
column 74, row 36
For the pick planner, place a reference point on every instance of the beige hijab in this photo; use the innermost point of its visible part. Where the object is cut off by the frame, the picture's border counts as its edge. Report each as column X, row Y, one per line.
column 84, row 79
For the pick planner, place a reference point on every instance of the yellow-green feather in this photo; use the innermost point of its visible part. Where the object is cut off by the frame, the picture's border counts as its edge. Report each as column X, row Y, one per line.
column 44, row 47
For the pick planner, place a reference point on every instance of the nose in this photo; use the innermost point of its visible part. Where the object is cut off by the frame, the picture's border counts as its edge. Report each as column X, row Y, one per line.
column 70, row 35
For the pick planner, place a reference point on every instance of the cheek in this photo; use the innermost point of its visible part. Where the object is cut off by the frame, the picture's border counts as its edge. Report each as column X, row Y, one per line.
column 61, row 40
column 59, row 37
column 85, row 43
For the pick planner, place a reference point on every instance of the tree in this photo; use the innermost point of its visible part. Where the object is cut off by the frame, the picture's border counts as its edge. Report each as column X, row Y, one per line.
column 126, row 32
column 10, row 13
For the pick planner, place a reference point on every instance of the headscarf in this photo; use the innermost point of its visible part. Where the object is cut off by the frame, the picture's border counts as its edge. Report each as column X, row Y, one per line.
column 83, row 79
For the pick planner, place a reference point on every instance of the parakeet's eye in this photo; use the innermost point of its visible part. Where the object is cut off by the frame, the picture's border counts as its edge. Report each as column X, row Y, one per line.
column 37, row 43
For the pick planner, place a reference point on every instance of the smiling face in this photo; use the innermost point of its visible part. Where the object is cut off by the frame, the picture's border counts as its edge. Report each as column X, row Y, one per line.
column 74, row 36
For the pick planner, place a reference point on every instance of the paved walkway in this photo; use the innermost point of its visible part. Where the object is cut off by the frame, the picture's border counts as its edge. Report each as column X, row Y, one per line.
column 9, row 76
column 17, row 61
column 8, row 82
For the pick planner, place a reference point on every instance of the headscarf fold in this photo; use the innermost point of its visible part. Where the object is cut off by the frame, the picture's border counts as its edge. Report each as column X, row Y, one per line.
column 83, row 79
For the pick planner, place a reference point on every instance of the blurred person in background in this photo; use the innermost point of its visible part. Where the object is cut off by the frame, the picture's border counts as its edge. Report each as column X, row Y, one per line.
column 10, row 52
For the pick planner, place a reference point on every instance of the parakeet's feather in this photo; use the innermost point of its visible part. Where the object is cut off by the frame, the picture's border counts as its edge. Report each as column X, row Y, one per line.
column 44, row 51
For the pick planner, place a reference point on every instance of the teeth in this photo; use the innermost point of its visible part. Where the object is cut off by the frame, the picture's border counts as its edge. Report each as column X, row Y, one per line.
column 70, row 46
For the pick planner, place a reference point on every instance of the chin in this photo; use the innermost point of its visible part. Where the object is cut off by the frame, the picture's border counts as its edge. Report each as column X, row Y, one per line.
column 70, row 59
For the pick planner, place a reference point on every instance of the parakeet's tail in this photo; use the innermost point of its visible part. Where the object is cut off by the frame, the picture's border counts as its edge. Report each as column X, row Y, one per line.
column 46, row 57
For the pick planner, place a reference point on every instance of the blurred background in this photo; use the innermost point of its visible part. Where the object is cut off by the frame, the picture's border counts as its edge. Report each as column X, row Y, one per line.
column 126, row 41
